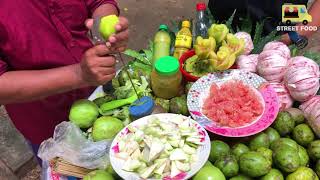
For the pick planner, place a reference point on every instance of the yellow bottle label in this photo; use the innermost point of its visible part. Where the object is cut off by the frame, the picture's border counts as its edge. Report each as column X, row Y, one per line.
column 183, row 41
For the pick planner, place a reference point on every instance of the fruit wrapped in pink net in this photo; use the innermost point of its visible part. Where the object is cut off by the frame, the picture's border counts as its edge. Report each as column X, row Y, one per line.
column 272, row 65
column 276, row 45
column 301, row 61
column 302, row 82
column 247, row 40
column 311, row 110
column 248, row 62
column 285, row 100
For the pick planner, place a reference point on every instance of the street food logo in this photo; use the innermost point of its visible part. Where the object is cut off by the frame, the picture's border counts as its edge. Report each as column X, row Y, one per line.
column 293, row 14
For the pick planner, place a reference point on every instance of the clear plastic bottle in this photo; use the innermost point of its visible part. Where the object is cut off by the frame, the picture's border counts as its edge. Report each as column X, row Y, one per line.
column 161, row 46
column 202, row 22
column 183, row 40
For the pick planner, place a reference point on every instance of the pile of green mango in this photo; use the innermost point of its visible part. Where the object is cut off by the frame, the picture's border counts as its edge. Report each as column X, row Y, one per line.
column 287, row 150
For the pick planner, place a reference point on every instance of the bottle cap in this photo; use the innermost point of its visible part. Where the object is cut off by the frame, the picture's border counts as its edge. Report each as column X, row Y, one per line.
column 163, row 27
column 167, row 65
column 201, row 6
column 186, row 24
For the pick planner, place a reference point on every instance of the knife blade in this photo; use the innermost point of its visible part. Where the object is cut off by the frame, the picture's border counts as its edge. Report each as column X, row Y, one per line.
column 98, row 39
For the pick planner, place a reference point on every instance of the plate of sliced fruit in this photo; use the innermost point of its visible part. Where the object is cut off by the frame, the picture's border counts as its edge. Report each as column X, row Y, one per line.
column 161, row 146
column 233, row 103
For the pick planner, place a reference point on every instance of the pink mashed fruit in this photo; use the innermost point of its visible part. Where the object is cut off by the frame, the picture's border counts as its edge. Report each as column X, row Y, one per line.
column 233, row 104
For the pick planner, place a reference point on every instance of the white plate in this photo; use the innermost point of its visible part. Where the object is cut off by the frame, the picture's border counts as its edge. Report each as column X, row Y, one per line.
column 203, row 151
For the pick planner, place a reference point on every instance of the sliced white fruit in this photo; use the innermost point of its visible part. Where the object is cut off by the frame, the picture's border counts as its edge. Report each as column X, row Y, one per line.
column 136, row 154
column 131, row 165
column 174, row 143
column 174, row 170
column 138, row 136
column 156, row 148
column 121, row 145
column 168, row 146
column 161, row 168
column 145, row 154
column 148, row 172
column 181, row 143
column 189, row 150
column 183, row 166
column 194, row 140
column 178, row 154
column 122, row 155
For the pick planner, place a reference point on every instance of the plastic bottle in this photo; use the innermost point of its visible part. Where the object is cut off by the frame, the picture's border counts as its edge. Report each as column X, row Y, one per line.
column 183, row 40
column 166, row 77
column 161, row 42
column 202, row 22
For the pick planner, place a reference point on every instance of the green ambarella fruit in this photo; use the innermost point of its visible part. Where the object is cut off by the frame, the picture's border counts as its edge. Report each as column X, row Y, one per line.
column 98, row 175
column 218, row 32
column 267, row 153
column 284, row 142
column 254, row 164
column 209, row 173
column 317, row 168
column 239, row 149
column 259, row 140
column 296, row 114
column 218, row 148
column 106, row 127
column 272, row 134
column 286, row 158
column 108, row 26
column 284, row 123
column 314, row 149
column 228, row 165
column 241, row 177
column 83, row 113
column 303, row 173
column 274, row 174
column 303, row 134
column 303, row 155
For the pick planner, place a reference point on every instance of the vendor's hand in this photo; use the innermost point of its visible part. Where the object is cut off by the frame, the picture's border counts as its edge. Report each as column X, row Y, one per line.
column 117, row 42
column 97, row 67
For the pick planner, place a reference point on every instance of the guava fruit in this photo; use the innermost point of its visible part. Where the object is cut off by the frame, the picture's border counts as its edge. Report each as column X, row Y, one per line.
column 83, row 113
column 303, row 155
column 284, row 142
column 98, row 175
column 267, row 153
column 303, row 134
column 107, row 25
column 259, row 140
column 272, row 134
column 254, row 164
column 314, row 149
column 303, row 173
column 218, row 148
column 239, row 149
column 286, row 158
column 228, row 165
column 106, row 127
column 284, row 123
column 274, row 174
column 209, row 173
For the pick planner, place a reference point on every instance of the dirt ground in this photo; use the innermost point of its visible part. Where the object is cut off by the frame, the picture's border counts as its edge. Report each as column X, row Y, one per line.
column 145, row 17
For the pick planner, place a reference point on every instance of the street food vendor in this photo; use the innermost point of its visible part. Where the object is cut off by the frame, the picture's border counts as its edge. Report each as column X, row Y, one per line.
column 47, row 60
column 268, row 10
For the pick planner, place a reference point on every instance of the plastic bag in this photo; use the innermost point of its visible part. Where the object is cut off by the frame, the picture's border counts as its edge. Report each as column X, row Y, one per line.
column 70, row 144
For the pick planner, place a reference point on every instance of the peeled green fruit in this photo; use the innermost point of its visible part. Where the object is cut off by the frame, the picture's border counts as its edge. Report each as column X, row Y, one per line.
column 274, row 174
column 241, row 177
column 98, row 175
column 107, row 25
column 272, row 134
column 83, row 113
column 314, row 149
column 106, row 127
column 209, row 173
column 253, row 164
column 239, row 149
column 218, row 148
column 267, row 153
column 296, row 114
column 260, row 140
column 283, row 142
column 228, row 165
column 303, row 134
column 303, row 173
column 303, row 155
column 284, row 123
column 287, row 159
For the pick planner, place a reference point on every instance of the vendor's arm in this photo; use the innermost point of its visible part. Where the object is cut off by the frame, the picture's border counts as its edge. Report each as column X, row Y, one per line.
column 18, row 86
column 314, row 12
column 98, row 8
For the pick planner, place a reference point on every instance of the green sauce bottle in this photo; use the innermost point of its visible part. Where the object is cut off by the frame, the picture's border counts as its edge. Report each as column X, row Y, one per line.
column 162, row 43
